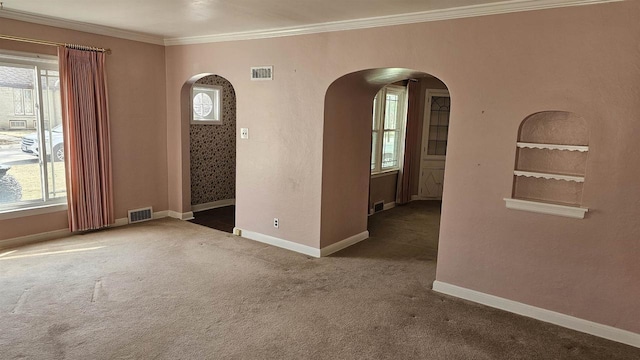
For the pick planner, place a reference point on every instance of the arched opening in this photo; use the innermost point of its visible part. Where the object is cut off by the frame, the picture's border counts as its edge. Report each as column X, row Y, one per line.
column 349, row 191
column 210, row 101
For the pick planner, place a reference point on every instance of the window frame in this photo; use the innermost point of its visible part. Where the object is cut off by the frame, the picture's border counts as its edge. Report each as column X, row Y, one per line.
column 427, row 123
column 37, row 62
column 218, row 105
column 378, row 127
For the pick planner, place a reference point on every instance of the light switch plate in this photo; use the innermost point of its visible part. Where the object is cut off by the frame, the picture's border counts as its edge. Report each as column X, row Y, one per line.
column 244, row 133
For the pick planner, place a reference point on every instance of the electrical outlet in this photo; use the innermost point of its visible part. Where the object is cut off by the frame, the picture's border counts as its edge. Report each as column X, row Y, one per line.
column 276, row 223
column 244, row 133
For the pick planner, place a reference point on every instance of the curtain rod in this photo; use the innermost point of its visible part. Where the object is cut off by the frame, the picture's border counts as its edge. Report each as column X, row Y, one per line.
column 53, row 43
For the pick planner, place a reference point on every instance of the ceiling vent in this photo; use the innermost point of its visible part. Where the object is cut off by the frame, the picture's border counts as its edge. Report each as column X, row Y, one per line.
column 262, row 73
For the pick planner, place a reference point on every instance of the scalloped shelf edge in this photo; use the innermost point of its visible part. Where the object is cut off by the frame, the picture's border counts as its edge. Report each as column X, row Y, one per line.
column 548, row 176
column 580, row 148
column 546, row 208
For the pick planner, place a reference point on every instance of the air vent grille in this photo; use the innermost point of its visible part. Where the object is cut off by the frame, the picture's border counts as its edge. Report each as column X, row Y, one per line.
column 262, row 73
column 140, row 215
column 17, row 124
column 379, row 206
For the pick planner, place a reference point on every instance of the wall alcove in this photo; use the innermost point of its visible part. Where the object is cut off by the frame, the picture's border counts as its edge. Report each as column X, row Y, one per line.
column 551, row 164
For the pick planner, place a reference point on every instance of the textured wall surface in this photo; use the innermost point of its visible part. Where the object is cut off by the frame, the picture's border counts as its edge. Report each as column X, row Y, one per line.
column 213, row 150
column 308, row 165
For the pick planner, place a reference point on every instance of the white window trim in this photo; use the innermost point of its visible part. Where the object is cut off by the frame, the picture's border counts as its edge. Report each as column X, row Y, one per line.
column 380, row 114
column 220, row 102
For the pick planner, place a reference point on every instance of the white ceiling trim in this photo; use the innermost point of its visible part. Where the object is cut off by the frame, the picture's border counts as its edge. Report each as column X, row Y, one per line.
column 80, row 26
column 502, row 7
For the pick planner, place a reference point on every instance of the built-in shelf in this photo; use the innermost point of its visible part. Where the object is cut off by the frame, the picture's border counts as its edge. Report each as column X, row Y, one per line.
column 549, row 176
column 580, row 148
column 546, row 208
column 545, row 151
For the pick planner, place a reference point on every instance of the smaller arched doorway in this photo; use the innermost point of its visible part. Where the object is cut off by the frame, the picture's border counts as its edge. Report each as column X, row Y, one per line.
column 212, row 151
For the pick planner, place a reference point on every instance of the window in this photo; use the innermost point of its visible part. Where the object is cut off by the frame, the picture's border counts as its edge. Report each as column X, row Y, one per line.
column 438, row 125
column 206, row 104
column 23, row 101
column 32, row 170
column 389, row 117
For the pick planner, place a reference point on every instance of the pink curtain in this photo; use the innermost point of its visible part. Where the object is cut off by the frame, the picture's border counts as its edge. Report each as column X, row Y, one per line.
column 411, row 145
column 85, row 119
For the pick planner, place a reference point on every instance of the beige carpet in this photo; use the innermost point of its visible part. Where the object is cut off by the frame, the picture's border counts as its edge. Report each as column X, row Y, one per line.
column 170, row 289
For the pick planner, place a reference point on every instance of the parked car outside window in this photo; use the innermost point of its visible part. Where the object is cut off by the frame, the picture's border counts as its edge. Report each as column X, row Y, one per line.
column 30, row 143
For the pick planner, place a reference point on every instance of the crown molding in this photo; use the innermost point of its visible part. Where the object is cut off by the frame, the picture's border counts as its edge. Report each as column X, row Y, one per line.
column 501, row 7
column 80, row 26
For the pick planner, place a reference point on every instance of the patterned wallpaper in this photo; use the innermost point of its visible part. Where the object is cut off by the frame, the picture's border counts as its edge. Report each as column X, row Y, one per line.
column 213, row 150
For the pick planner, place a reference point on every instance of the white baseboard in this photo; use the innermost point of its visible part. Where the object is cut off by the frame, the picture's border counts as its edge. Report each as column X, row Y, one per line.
column 180, row 216
column 299, row 248
column 414, row 197
column 574, row 323
column 328, row 250
column 213, row 205
column 281, row 243
column 35, row 238
column 56, row 234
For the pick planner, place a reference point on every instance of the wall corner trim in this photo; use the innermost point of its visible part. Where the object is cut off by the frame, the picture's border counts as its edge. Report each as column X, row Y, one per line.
column 180, row 216
column 342, row 244
column 277, row 242
column 567, row 321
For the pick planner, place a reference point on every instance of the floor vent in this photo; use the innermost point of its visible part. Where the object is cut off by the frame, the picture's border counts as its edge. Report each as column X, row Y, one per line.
column 262, row 73
column 379, row 206
column 140, row 215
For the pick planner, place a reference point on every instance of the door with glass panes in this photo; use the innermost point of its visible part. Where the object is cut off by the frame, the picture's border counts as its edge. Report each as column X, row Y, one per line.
column 435, row 132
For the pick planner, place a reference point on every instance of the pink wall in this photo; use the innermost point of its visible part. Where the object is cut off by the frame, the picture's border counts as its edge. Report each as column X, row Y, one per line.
column 136, row 82
column 383, row 188
column 499, row 69
column 297, row 163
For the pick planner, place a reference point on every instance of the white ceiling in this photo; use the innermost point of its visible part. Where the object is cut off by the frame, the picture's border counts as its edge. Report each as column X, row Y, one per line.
column 158, row 20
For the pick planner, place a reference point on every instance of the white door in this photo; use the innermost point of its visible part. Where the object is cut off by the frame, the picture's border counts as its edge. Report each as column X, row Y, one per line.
column 435, row 131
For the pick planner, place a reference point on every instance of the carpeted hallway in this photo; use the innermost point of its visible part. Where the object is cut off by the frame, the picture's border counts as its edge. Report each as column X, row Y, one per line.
column 170, row 289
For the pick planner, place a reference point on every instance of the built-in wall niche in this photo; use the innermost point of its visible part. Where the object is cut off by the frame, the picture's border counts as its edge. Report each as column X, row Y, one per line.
column 551, row 164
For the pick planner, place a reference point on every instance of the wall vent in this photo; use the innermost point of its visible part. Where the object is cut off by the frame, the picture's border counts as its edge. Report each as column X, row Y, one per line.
column 140, row 215
column 17, row 124
column 262, row 73
column 379, row 206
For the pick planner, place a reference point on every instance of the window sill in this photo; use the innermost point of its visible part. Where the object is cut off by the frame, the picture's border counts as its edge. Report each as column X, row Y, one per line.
column 206, row 122
column 31, row 211
column 384, row 173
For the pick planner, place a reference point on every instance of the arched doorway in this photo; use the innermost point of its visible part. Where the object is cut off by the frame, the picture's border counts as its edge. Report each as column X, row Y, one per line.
column 347, row 150
column 212, row 152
